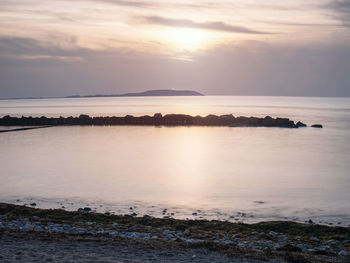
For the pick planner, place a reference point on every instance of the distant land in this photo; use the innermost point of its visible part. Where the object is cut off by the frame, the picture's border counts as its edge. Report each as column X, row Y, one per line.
column 159, row 92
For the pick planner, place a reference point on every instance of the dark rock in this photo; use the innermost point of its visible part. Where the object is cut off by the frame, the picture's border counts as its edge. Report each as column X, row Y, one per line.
column 157, row 115
column 177, row 119
column 83, row 120
column 317, row 126
column 300, row 124
column 33, row 204
column 285, row 123
column 268, row 121
column 227, row 116
column 87, row 209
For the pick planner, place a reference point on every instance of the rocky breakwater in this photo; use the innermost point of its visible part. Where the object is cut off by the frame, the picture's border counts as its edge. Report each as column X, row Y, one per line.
column 156, row 120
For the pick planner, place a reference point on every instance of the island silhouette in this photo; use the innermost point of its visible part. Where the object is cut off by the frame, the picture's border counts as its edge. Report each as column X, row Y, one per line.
column 158, row 92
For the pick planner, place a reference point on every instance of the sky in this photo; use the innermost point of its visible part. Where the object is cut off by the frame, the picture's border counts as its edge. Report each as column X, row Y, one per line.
column 222, row 47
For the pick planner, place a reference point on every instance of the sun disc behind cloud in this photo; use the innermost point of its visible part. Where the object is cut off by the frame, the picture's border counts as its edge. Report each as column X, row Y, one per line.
column 186, row 39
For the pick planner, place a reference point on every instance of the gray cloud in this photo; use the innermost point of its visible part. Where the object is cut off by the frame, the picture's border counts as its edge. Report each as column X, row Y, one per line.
column 18, row 47
column 222, row 5
column 129, row 3
column 251, row 68
column 292, row 23
column 341, row 8
column 212, row 25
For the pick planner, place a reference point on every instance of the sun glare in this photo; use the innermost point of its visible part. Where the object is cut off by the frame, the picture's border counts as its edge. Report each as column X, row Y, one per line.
column 186, row 39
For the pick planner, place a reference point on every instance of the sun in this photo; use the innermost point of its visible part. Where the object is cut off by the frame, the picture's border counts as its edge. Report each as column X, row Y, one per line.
column 185, row 39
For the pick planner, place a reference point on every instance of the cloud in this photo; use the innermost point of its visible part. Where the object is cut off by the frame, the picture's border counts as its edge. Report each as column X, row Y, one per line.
column 29, row 52
column 128, row 3
column 341, row 8
column 31, row 48
column 212, row 25
column 249, row 68
column 208, row 5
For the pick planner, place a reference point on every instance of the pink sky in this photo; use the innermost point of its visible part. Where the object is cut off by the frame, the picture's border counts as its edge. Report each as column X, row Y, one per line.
column 242, row 47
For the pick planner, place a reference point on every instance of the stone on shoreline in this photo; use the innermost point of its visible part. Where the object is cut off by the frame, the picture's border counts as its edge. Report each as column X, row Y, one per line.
column 315, row 239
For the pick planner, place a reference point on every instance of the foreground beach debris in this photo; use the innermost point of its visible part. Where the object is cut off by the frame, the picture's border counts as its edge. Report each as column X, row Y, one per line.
column 156, row 120
column 280, row 241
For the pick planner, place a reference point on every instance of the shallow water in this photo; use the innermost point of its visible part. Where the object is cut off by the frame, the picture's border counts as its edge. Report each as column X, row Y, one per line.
column 237, row 174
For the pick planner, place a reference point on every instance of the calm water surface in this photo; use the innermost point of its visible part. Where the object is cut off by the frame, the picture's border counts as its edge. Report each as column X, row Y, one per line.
column 236, row 174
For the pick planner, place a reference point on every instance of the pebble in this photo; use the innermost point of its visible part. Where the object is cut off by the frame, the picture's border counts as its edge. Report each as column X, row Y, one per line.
column 186, row 232
column 329, row 246
column 228, row 242
column 38, row 228
column 314, row 239
column 282, row 243
column 167, row 232
column 282, row 237
column 193, row 241
column 303, row 247
column 136, row 235
column 242, row 244
column 272, row 233
column 333, row 242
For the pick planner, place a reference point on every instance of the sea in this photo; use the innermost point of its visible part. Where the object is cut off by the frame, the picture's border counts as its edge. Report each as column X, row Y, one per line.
column 238, row 174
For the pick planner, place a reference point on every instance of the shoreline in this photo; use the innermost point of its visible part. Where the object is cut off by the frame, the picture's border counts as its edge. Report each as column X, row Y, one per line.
column 254, row 212
column 275, row 240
